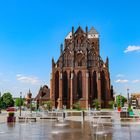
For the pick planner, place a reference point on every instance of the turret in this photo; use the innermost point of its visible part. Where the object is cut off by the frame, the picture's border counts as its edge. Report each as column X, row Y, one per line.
column 72, row 30
column 107, row 62
column 61, row 49
column 53, row 63
column 86, row 31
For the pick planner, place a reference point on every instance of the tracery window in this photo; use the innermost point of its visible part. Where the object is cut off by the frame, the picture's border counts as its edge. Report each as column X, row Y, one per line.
column 90, row 59
column 69, row 60
column 80, row 60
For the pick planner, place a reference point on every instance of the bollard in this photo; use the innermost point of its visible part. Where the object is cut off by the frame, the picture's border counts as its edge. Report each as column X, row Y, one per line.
column 83, row 115
column 64, row 115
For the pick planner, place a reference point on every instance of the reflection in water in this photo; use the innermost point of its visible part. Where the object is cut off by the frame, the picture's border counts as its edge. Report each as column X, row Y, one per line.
column 62, row 124
column 68, row 130
column 1, row 132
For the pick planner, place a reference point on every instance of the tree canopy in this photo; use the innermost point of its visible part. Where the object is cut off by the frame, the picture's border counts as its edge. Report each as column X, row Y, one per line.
column 18, row 102
column 120, row 100
column 96, row 103
column 6, row 100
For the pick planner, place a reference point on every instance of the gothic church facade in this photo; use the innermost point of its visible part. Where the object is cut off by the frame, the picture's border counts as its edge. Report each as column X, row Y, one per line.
column 80, row 74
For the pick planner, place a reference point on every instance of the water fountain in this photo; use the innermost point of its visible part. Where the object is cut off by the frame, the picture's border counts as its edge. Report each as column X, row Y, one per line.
column 98, row 129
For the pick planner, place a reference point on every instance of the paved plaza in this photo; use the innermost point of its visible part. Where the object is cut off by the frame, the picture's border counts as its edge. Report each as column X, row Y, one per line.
column 70, row 128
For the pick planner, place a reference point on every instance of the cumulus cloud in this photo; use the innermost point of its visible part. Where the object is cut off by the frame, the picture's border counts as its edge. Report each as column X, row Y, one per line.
column 132, row 48
column 121, row 81
column 28, row 79
column 135, row 81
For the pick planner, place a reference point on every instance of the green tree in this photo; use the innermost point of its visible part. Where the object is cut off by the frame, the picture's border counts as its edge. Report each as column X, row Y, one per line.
column 7, row 100
column 111, row 103
column 96, row 103
column 77, row 106
column 0, row 102
column 18, row 102
column 48, row 105
column 120, row 100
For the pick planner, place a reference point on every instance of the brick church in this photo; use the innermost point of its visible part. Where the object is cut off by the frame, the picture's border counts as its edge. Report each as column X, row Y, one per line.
column 80, row 74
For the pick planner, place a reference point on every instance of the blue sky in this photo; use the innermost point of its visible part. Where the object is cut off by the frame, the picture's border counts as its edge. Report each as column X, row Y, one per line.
column 31, row 32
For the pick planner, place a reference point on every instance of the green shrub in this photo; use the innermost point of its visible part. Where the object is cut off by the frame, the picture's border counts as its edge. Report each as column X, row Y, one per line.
column 11, row 114
column 77, row 106
column 111, row 104
column 48, row 105
column 129, row 109
column 96, row 104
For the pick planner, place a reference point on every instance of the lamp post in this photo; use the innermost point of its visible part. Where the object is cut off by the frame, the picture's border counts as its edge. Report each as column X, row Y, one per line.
column 20, row 104
column 30, row 102
column 31, row 105
column 0, row 102
column 128, row 96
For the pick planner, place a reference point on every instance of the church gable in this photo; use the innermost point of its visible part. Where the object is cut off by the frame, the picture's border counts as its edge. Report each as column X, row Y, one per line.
column 81, row 49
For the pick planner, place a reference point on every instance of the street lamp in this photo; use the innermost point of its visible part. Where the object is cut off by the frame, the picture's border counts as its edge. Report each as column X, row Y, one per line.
column 31, row 105
column 0, row 100
column 20, row 104
column 128, row 96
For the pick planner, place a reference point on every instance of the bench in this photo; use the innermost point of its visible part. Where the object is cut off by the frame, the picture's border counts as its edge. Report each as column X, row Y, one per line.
column 103, row 117
column 49, row 118
column 32, row 119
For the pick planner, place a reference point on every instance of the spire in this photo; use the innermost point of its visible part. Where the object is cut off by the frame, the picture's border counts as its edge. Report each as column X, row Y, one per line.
column 53, row 63
column 61, row 49
column 107, row 62
column 52, row 60
column 72, row 30
column 29, row 94
column 86, row 30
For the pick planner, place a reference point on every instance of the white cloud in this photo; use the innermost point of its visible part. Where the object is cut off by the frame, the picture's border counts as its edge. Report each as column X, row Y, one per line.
column 18, row 75
column 28, row 79
column 135, row 81
column 132, row 48
column 119, row 75
column 121, row 81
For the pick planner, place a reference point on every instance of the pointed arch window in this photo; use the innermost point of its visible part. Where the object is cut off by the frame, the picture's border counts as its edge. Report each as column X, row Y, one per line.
column 56, row 87
column 65, row 85
column 79, row 85
column 80, row 60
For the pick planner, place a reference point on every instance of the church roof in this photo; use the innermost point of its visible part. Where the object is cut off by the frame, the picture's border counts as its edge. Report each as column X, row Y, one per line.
column 92, row 31
column 79, row 30
column 69, row 35
column 44, row 93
